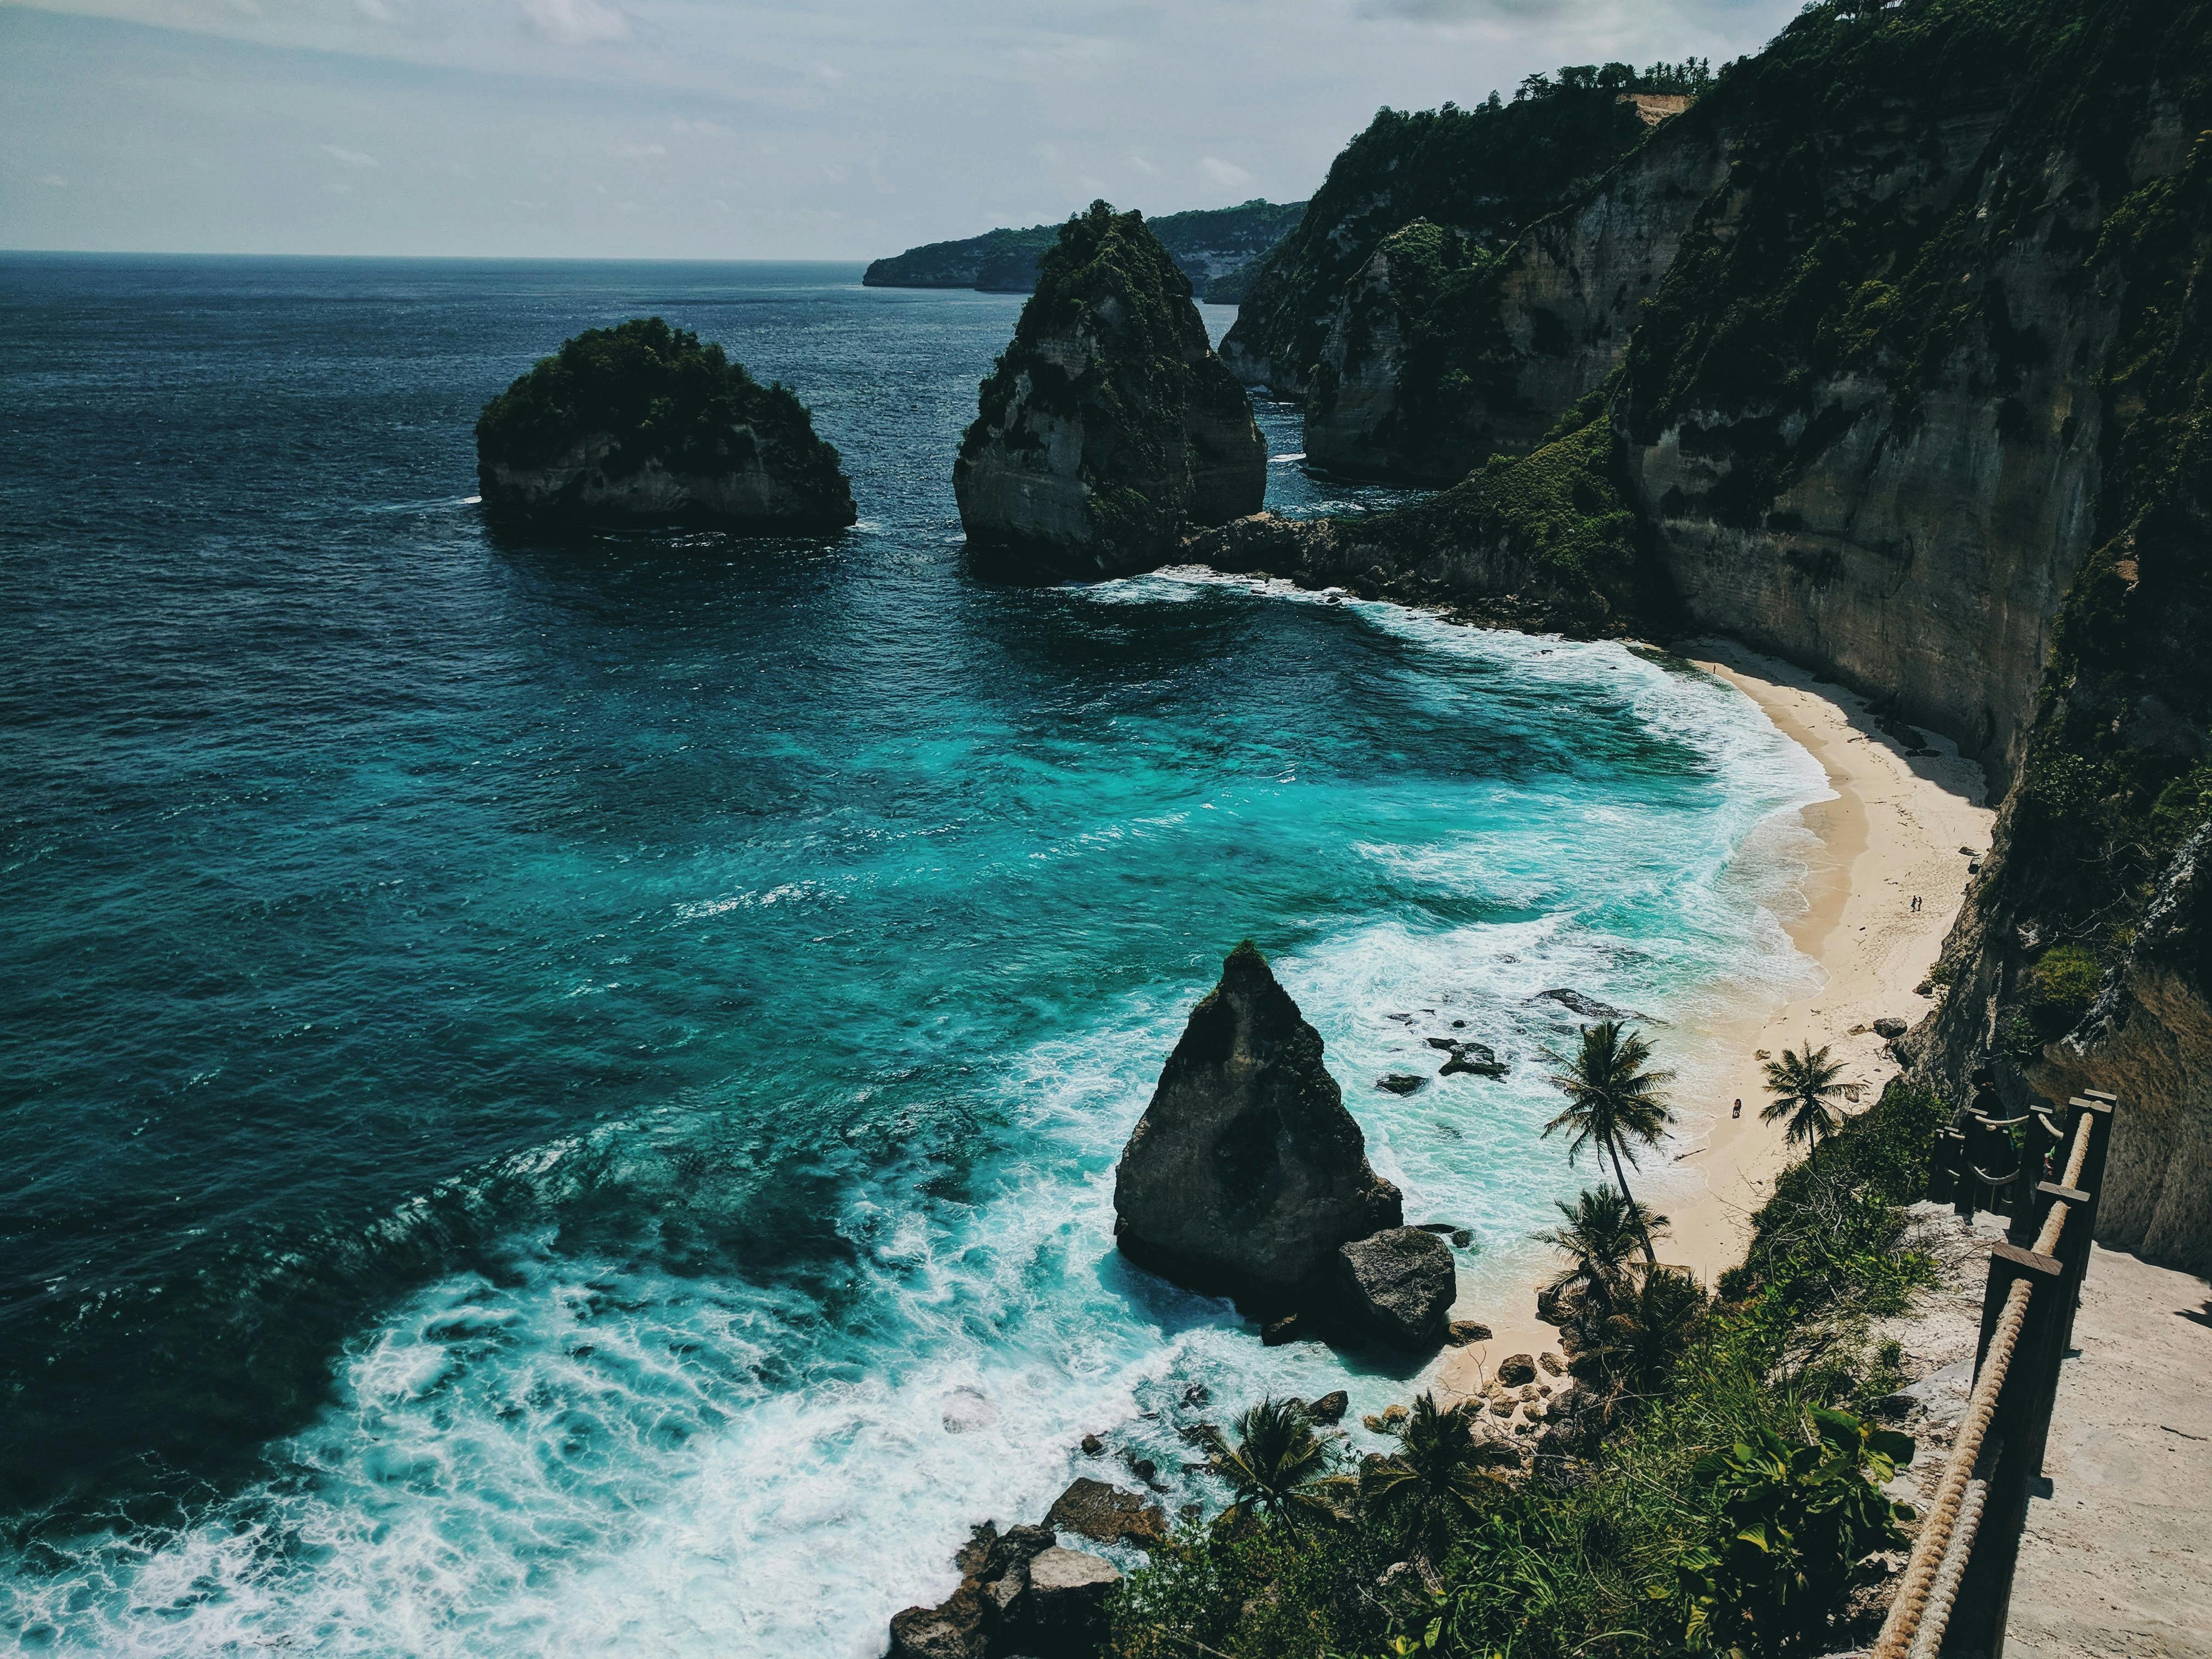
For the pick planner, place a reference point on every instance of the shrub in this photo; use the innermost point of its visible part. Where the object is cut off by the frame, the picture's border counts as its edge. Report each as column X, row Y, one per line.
column 2063, row 984
column 1795, row 1523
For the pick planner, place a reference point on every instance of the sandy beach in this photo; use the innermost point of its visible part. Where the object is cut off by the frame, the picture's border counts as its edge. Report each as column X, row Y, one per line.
column 1895, row 831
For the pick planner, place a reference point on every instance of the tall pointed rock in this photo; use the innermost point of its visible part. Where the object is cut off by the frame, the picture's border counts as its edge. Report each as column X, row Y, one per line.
column 1246, row 1173
column 1108, row 429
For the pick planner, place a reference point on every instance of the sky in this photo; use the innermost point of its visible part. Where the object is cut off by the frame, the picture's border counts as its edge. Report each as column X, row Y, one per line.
column 729, row 128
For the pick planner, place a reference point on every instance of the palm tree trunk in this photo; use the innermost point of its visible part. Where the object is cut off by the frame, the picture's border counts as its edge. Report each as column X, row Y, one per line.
column 1650, row 1255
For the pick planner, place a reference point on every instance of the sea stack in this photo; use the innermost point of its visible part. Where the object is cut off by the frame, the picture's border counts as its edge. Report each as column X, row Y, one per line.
column 1246, row 1174
column 643, row 425
column 1108, row 429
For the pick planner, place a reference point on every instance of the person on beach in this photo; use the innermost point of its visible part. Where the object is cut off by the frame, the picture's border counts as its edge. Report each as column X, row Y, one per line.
column 1739, row 1109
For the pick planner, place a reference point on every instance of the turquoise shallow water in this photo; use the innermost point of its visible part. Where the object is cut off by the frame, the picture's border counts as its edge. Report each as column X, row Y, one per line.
column 564, row 1098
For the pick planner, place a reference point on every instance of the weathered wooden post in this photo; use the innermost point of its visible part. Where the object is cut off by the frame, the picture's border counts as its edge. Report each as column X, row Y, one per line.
column 1977, row 1626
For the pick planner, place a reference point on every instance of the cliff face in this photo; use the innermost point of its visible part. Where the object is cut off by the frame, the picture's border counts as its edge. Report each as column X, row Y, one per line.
column 643, row 425
column 1903, row 338
column 1109, row 428
column 1484, row 172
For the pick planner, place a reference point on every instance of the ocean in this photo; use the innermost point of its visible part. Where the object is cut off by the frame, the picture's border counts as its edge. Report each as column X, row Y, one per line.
column 561, row 1097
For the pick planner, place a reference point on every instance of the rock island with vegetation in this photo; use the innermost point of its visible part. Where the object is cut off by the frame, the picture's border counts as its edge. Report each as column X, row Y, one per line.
column 643, row 424
column 1108, row 429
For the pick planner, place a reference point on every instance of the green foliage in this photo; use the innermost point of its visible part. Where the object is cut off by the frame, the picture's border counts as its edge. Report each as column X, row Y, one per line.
column 1796, row 1520
column 1484, row 171
column 1438, row 306
column 1632, row 1349
column 1279, row 1471
column 1804, row 1086
column 1434, row 1485
column 1561, row 504
column 660, row 394
column 1599, row 1233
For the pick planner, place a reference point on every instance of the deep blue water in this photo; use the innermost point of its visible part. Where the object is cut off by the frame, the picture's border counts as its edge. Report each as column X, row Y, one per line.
column 561, row 1098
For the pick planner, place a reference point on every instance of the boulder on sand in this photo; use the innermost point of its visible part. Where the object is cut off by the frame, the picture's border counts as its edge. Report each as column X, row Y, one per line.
column 1246, row 1173
column 1515, row 1370
column 641, row 424
column 1399, row 1284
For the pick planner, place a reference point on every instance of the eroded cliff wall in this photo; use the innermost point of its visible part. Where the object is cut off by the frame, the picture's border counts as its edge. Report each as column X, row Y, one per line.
column 1903, row 339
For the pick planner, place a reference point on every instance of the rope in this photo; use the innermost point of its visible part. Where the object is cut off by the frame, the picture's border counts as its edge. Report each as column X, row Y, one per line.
column 1945, row 1587
column 1908, row 1614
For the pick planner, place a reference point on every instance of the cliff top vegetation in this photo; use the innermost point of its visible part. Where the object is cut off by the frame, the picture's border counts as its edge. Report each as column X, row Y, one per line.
column 659, row 391
column 1485, row 171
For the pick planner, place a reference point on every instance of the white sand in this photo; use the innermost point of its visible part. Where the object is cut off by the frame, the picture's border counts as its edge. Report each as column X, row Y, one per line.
column 1894, row 831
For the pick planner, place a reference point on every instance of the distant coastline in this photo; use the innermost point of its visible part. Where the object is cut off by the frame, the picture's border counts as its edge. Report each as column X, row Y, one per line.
column 1219, row 249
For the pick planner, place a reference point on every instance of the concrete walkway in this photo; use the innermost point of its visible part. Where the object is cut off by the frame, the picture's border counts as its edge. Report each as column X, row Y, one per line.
column 2117, row 1556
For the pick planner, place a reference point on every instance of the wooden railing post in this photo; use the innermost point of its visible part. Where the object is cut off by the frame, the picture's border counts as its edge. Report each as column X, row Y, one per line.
column 1977, row 1626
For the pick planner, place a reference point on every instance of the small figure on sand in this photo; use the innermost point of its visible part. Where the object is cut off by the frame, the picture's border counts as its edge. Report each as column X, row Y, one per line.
column 1739, row 1108
column 1915, row 904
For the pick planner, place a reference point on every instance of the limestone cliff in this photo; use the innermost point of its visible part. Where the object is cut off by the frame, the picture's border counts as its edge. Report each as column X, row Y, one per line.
column 1109, row 428
column 1903, row 338
column 642, row 425
column 1482, row 173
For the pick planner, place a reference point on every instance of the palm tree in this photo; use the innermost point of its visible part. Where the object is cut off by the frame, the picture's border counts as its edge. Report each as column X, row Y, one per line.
column 1433, row 1485
column 1601, row 1230
column 1637, row 1342
column 1612, row 1101
column 1801, row 1085
column 1279, row 1468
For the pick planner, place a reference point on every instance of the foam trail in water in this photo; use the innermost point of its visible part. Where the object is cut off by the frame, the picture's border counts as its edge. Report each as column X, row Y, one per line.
column 578, row 1452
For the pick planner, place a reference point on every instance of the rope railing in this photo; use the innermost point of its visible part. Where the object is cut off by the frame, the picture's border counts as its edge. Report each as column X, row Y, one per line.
column 2028, row 1313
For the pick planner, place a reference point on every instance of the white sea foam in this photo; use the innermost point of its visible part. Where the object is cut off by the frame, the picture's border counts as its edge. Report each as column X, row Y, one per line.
column 592, row 1455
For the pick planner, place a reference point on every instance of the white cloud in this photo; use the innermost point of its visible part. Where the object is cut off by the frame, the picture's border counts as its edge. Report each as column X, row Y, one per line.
column 54, row 181
column 638, row 152
column 375, row 10
column 352, row 158
column 1143, row 166
column 1227, row 174
column 576, row 22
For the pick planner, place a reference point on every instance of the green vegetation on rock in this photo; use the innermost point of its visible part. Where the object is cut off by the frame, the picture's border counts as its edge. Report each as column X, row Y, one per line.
column 574, row 436
column 1484, row 172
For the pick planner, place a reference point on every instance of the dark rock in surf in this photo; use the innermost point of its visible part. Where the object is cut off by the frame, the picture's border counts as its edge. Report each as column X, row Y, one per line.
column 1245, row 1173
column 1399, row 1284
column 1402, row 1083
column 1108, row 430
column 642, row 425
column 1590, row 1007
column 1107, row 1515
